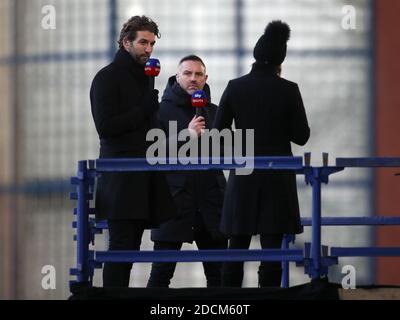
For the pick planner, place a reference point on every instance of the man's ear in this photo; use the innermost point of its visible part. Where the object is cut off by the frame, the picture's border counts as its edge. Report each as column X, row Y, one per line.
column 206, row 77
column 126, row 43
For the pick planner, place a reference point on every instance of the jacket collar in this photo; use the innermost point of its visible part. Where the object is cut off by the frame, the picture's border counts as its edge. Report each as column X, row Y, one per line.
column 263, row 68
column 123, row 59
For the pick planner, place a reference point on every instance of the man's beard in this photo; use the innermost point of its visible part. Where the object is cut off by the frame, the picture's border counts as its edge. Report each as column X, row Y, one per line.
column 141, row 59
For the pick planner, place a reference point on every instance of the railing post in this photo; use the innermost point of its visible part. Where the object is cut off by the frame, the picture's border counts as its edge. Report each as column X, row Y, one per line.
column 82, row 217
column 287, row 238
column 316, row 224
column 313, row 177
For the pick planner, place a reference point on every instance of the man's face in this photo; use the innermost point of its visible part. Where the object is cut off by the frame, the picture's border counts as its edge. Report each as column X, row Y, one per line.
column 141, row 48
column 191, row 76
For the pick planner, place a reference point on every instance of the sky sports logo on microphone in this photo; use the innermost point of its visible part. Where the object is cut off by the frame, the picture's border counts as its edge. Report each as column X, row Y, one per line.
column 152, row 67
column 199, row 99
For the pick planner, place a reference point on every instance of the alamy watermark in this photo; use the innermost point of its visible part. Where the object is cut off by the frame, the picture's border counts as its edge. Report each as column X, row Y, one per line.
column 349, row 19
column 238, row 147
column 49, row 18
column 349, row 280
column 49, row 278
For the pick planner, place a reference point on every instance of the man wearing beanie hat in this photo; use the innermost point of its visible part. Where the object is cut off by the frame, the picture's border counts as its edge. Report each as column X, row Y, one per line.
column 264, row 203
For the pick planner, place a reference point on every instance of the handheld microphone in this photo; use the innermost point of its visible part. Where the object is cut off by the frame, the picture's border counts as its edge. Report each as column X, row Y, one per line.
column 199, row 100
column 152, row 69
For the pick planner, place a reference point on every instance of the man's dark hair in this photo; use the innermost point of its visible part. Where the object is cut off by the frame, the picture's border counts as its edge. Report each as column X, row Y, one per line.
column 137, row 23
column 192, row 57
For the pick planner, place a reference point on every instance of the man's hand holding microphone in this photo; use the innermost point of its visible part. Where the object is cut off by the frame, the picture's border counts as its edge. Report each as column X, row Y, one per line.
column 198, row 124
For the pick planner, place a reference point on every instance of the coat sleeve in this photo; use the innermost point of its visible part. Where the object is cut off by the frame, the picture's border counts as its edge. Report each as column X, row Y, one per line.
column 224, row 116
column 166, row 115
column 108, row 121
column 299, row 129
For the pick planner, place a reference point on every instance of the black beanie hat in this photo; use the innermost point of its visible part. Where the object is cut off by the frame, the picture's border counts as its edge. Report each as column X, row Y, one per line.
column 271, row 47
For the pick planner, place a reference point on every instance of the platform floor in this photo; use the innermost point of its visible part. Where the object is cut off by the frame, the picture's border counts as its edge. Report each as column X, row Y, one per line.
column 315, row 290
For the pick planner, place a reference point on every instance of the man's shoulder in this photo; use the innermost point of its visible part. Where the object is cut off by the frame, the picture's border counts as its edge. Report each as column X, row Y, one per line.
column 213, row 106
column 248, row 80
column 240, row 79
column 105, row 73
column 167, row 103
column 238, row 82
column 168, row 107
column 287, row 82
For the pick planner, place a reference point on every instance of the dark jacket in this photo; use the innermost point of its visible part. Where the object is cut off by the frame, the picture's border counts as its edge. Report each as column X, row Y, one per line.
column 193, row 191
column 122, row 115
column 264, row 202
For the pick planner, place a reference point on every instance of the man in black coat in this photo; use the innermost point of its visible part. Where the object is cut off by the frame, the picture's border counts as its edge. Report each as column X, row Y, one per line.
column 264, row 202
column 198, row 195
column 124, row 108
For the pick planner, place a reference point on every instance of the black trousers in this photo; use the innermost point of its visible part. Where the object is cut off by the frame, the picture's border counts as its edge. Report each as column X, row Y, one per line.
column 269, row 273
column 124, row 235
column 162, row 272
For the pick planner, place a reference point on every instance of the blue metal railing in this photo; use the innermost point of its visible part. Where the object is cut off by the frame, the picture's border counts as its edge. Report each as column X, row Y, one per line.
column 314, row 256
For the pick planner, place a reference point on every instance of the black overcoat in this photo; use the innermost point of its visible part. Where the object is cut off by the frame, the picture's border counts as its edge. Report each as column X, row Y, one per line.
column 122, row 121
column 193, row 191
column 264, row 202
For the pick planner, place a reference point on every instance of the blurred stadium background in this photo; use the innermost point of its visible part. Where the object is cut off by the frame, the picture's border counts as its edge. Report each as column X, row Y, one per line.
column 46, row 125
